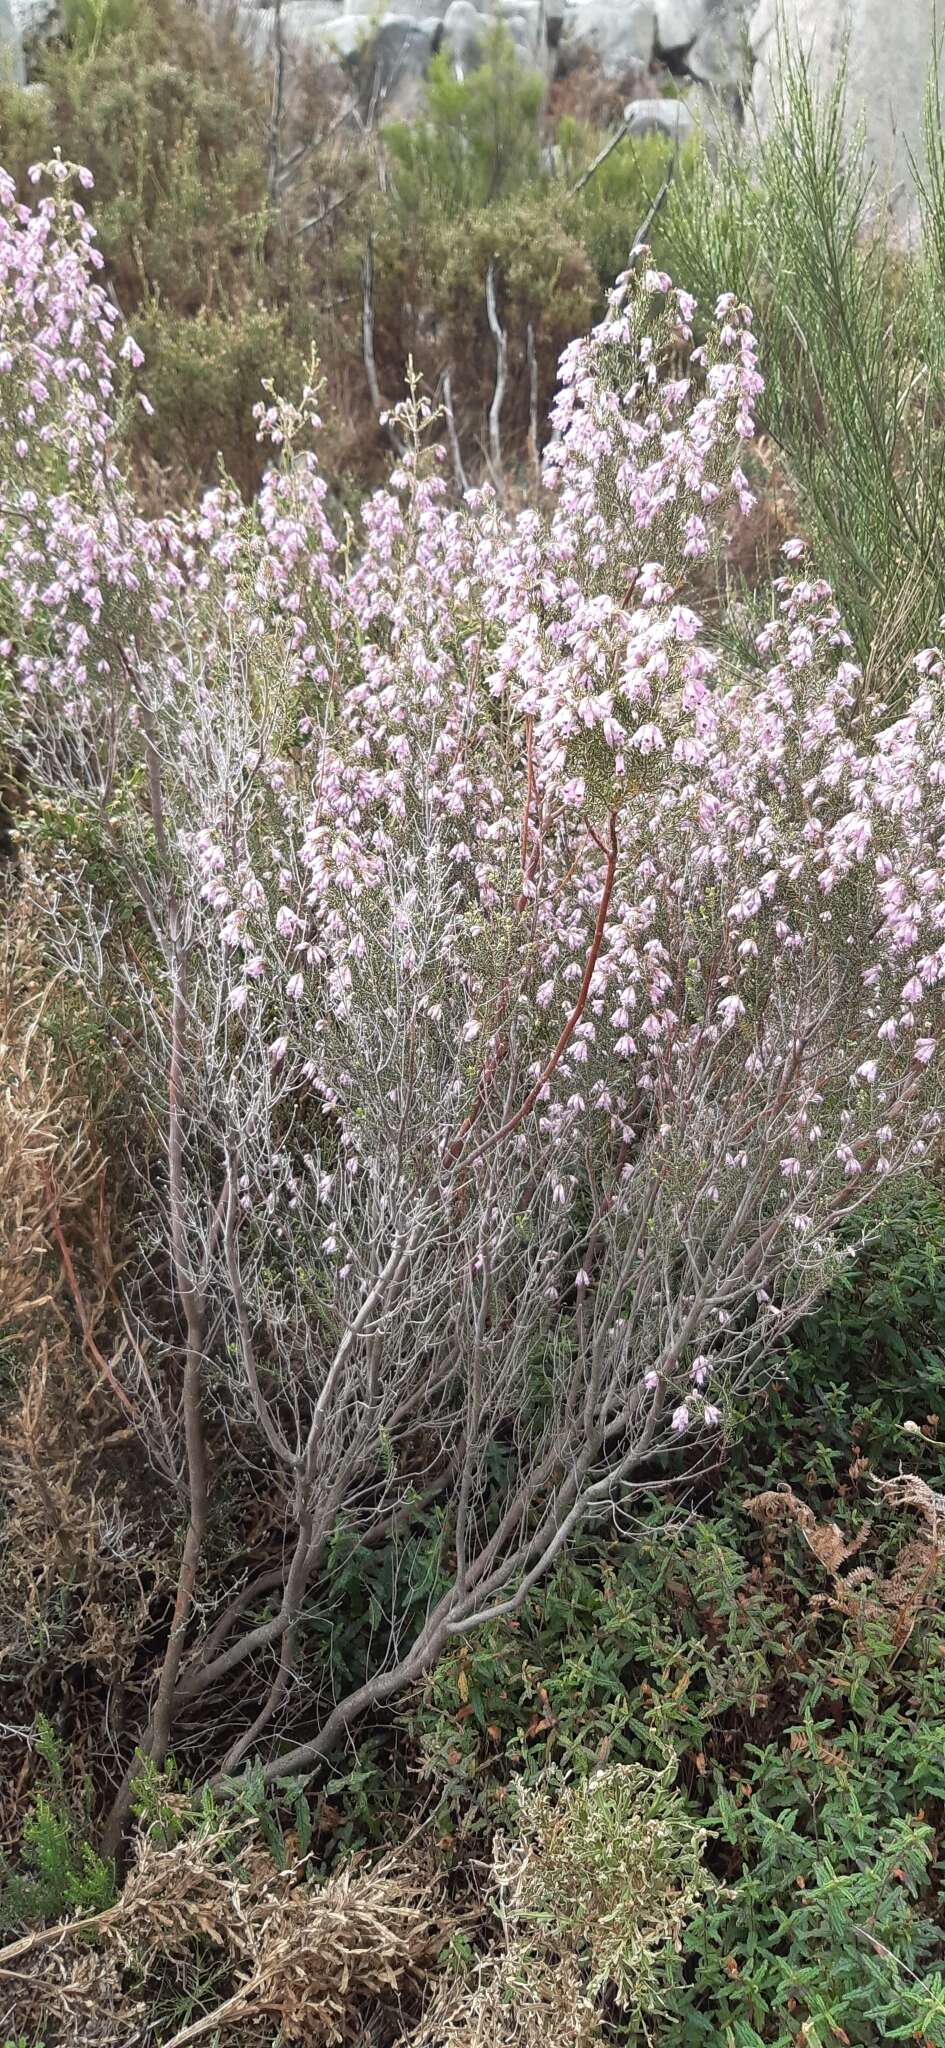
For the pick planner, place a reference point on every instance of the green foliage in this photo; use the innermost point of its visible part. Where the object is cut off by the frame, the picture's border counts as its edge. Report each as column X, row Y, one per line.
column 471, row 187
column 223, row 289
column 869, row 1362
column 205, row 373
column 606, row 214
column 809, row 1737
column 833, row 1916
column 851, row 335
column 89, row 23
column 477, row 142
column 166, row 110
column 61, row 1870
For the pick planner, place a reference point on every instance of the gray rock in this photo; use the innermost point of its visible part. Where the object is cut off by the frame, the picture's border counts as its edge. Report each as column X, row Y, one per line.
column 621, row 34
column 464, row 30
column 525, row 21
column 659, row 117
column 678, row 22
column 721, row 53
column 345, row 37
column 12, row 61
column 889, row 52
column 422, row 11
column 307, row 25
column 34, row 19
column 395, row 63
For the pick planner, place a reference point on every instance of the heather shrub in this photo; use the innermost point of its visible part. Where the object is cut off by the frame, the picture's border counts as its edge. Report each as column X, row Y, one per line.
column 171, row 117
column 529, row 1000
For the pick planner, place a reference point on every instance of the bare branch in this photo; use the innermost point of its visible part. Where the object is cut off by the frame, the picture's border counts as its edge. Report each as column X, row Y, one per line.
column 462, row 481
column 501, row 370
column 367, row 344
column 600, row 158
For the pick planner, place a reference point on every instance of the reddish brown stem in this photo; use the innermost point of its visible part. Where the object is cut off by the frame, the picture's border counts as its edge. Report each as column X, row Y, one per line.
column 529, row 871
column 574, row 1019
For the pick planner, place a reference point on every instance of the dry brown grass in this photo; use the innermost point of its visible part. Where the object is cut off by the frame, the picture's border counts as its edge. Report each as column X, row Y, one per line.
column 79, row 1564
column 319, row 1964
column 42, row 1144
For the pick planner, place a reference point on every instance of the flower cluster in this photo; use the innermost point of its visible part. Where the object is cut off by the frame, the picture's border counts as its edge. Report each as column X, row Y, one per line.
column 498, row 873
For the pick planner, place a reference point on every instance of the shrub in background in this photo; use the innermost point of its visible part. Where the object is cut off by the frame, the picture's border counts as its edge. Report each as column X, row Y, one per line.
column 233, row 253
column 163, row 105
column 477, row 140
column 474, row 186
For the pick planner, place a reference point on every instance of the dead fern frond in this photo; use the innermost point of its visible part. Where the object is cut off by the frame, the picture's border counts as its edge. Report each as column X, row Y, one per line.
column 898, row 1598
column 827, row 1542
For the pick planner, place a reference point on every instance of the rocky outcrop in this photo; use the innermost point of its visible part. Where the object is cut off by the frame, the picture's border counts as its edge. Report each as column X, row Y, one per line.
column 888, row 53
column 720, row 54
column 670, row 117
column 388, row 54
column 466, row 29
column 705, row 40
column 620, row 34
column 678, row 23
column 398, row 61
column 12, row 64
column 702, row 38
column 23, row 25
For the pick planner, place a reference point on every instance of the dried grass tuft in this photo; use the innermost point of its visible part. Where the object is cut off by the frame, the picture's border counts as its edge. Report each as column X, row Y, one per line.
column 313, row 1962
column 41, row 1141
column 78, row 1542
